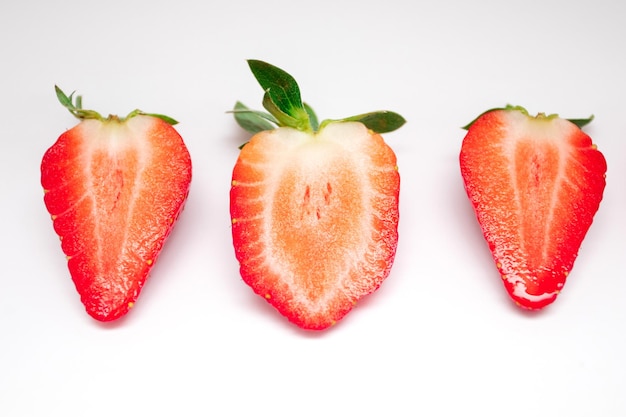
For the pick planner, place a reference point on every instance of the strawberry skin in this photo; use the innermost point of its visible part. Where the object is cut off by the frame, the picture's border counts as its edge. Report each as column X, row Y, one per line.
column 535, row 184
column 114, row 189
column 314, row 218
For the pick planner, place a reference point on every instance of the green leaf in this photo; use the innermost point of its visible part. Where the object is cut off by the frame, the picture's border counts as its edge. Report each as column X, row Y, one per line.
column 282, row 87
column 282, row 95
column 163, row 117
column 284, row 119
column 64, row 99
column 76, row 108
column 312, row 117
column 379, row 121
column 582, row 122
column 253, row 121
column 284, row 104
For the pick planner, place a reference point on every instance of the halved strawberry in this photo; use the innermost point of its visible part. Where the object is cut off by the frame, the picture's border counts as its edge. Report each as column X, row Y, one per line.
column 535, row 184
column 314, row 208
column 114, row 187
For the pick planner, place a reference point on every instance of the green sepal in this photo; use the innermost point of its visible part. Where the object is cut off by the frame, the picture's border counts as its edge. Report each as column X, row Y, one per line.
column 315, row 124
column 253, row 121
column 582, row 122
column 163, row 117
column 578, row 122
column 79, row 100
column 282, row 95
column 282, row 87
column 75, row 106
column 283, row 118
column 378, row 121
column 285, row 106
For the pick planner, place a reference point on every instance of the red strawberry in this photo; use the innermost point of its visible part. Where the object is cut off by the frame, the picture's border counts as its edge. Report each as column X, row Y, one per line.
column 535, row 184
column 114, row 187
column 314, row 208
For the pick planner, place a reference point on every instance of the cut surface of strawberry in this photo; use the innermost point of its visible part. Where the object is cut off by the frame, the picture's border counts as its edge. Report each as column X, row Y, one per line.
column 314, row 210
column 535, row 184
column 114, row 188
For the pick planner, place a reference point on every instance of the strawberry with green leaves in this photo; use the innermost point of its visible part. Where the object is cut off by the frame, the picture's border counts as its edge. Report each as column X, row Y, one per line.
column 314, row 207
column 114, row 188
column 535, row 184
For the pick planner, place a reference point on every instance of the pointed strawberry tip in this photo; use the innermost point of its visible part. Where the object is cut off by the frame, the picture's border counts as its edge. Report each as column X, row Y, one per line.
column 106, row 314
column 315, row 327
column 103, row 318
column 529, row 305
column 546, row 289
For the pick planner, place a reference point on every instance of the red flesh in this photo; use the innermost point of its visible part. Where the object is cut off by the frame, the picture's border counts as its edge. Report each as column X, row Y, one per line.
column 535, row 184
column 114, row 191
column 315, row 219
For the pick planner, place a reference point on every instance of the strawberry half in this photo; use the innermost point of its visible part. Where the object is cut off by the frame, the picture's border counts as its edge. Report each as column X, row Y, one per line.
column 114, row 188
column 314, row 208
column 535, row 184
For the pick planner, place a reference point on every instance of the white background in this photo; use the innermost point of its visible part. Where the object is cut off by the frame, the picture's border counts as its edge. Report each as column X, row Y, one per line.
column 439, row 338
